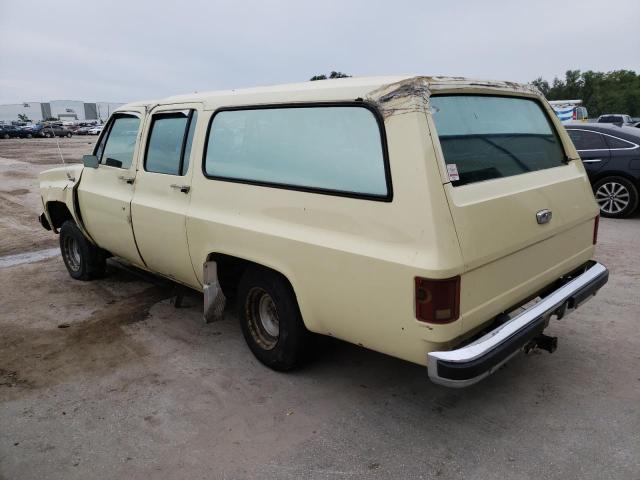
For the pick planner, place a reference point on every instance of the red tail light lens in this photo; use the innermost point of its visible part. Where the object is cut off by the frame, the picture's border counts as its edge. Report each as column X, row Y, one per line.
column 596, row 224
column 437, row 301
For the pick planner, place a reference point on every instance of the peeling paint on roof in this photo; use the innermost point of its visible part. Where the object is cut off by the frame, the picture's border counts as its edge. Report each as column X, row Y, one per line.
column 393, row 95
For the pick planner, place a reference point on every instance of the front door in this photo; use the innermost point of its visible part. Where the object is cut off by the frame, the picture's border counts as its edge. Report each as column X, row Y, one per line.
column 163, row 192
column 105, row 192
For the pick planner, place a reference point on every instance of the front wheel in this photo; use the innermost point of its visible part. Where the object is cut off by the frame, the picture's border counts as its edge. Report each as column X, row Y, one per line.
column 84, row 261
column 270, row 319
column 617, row 197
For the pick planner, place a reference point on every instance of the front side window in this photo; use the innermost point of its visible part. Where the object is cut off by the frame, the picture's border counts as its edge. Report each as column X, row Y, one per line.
column 485, row 137
column 586, row 140
column 118, row 146
column 330, row 148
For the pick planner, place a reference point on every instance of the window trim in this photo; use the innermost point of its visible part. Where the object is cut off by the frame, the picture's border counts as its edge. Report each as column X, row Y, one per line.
column 170, row 114
column 106, row 132
column 635, row 145
column 299, row 188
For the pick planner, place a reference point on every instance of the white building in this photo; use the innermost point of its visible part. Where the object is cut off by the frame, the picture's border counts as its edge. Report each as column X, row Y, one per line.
column 68, row 110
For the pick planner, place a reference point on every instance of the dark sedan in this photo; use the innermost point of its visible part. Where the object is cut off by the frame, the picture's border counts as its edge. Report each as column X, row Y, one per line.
column 611, row 156
column 11, row 131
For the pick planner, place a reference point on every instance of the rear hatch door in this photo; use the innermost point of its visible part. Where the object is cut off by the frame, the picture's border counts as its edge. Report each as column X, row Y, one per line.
column 522, row 207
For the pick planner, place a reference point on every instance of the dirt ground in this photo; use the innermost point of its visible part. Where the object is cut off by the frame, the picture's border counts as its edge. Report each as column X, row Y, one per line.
column 21, row 160
column 106, row 379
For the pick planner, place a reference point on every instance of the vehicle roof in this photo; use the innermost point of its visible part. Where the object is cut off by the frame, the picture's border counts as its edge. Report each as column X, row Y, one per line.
column 338, row 90
column 608, row 128
column 613, row 115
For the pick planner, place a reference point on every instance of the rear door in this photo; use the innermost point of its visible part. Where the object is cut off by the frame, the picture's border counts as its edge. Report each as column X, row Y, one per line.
column 592, row 148
column 105, row 193
column 163, row 192
column 522, row 210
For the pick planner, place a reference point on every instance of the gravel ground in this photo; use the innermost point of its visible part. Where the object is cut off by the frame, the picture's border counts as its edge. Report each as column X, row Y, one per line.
column 107, row 379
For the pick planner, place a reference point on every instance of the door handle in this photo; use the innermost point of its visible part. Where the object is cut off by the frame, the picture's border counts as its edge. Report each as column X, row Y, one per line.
column 592, row 160
column 126, row 179
column 182, row 188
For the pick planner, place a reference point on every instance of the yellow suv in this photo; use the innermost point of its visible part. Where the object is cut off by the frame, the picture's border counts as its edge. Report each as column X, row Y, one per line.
column 438, row 220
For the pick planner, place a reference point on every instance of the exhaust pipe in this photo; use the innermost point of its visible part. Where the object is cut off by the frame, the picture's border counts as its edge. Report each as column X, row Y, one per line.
column 543, row 342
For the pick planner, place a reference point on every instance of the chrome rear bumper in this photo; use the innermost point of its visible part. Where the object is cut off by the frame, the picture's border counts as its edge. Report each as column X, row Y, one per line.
column 477, row 360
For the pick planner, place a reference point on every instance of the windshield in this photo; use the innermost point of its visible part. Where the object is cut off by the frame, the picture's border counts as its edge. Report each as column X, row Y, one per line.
column 485, row 137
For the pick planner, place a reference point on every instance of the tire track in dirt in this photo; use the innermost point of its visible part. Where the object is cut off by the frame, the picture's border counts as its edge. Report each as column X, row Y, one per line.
column 36, row 358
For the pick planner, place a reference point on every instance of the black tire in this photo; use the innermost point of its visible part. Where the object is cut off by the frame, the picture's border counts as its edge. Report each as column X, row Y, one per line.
column 5, row 136
column 260, row 288
column 617, row 197
column 84, row 261
column 69, row 135
column 29, row 135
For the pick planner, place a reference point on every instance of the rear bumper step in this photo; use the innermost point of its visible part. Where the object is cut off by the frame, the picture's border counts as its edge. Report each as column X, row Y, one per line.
column 473, row 362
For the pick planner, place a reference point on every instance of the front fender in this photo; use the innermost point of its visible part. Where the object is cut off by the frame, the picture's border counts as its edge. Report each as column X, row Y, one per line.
column 59, row 185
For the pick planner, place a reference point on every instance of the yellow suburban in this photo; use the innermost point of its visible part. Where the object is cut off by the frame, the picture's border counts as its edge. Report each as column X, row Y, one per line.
column 438, row 220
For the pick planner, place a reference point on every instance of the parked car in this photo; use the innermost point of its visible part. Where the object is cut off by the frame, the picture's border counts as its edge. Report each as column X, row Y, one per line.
column 50, row 131
column 85, row 130
column 11, row 131
column 414, row 216
column 611, row 156
column 96, row 130
column 617, row 118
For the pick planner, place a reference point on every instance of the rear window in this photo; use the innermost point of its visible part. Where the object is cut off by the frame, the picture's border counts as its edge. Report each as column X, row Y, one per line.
column 332, row 149
column 485, row 137
column 610, row 119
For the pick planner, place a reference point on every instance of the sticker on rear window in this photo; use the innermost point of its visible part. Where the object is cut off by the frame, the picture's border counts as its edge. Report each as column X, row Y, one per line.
column 452, row 170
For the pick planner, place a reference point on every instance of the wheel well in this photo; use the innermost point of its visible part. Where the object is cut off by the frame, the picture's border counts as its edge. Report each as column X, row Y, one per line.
column 59, row 213
column 614, row 173
column 230, row 269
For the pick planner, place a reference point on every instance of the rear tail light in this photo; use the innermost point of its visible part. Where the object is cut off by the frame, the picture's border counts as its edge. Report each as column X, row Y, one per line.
column 596, row 224
column 437, row 301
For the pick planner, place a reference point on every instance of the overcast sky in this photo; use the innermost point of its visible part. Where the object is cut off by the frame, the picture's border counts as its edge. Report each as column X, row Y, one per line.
column 112, row 50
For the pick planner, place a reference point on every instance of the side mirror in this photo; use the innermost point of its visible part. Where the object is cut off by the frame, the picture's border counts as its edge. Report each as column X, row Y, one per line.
column 90, row 161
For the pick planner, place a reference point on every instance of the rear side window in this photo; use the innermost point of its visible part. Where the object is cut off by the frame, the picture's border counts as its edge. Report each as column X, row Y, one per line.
column 485, row 137
column 169, row 144
column 617, row 143
column 586, row 140
column 332, row 149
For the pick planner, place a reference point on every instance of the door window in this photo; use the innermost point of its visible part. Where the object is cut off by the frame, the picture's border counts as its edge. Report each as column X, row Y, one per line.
column 169, row 144
column 586, row 140
column 118, row 146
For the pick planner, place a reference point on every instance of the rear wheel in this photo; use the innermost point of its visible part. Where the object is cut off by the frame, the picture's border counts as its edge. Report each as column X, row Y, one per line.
column 270, row 318
column 617, row 197
column 69, row 135
column 84, row 261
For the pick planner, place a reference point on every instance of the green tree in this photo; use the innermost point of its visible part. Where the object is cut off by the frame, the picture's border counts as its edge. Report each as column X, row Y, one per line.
column 332, row 75
column 617, row 91
column 23, row 118
column 541, row 85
